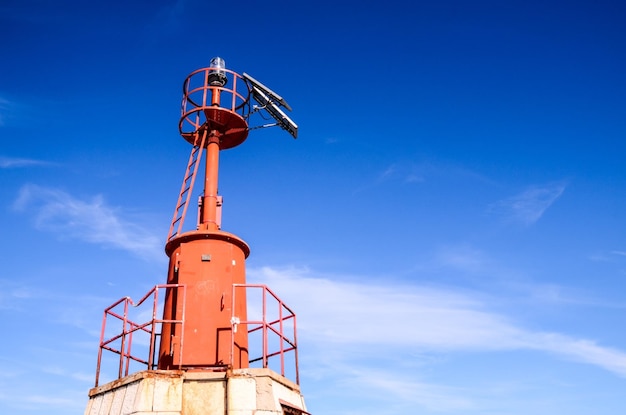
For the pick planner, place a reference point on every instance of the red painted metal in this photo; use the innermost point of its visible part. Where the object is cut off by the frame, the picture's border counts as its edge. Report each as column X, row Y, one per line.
column 206, row 292
column 271, row 326
column 213, row 118
column 187, row 187
column 120, row 342
column 223, row 109
column 208, row 209
column 276, row 345
column 208, row 263
column 207, row 260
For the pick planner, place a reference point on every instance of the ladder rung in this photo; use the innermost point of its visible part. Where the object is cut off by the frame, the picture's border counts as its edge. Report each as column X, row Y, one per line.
column 185, row 193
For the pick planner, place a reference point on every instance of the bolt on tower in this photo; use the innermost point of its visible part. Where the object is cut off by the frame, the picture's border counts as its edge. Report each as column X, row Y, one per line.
column 199, row 358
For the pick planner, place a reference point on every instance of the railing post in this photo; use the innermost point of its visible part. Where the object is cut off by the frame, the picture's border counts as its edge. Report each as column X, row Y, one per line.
column 295, row 342
column 104, row 322
column 281, row 337
column 231, row 355
column 123, row 338
column 264, row 331
column 129, row 344
column 151, row 350
column 129, row 327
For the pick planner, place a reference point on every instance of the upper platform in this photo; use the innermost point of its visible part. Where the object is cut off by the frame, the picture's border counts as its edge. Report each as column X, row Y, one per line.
column 216, row 99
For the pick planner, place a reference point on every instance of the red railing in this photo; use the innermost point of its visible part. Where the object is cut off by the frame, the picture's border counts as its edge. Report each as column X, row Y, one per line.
column 268, row 321
column 271, row 327
column 121, row 342
column 198, row 97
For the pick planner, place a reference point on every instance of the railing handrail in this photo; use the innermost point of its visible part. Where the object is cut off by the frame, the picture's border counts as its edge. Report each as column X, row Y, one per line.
column 275, row 328
column 266, row 327
column 129, row 327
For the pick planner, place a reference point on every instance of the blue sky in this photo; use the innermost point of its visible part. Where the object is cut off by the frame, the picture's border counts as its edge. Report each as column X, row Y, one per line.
column 449, row 225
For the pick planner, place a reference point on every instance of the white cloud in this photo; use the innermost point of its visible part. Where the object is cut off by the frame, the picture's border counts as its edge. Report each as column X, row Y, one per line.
column 467, row 263
column 404, row 172
column 52, row 400
column 14, row 162
column 412, row 392
column 5, row 106
column 368, row 317
column 411, row 172
column 463, row 258
column 87, row 220
column 63, row 372
column 389, row 171
column 581, row 350
column 12, row 295
column 529, row 206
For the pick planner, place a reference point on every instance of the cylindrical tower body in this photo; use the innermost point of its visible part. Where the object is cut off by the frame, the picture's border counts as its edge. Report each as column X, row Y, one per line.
column 207, row 261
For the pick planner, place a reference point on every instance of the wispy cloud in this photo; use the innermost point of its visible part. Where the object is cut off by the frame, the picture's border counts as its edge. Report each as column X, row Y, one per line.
column 5, row 107
column 421, row 171
column 368, row 316
column 464, row 258
column 63, row 372
column 402, row 172
column 15, row 162
column 411, row 392
column 581, row 350
column 90, row 220
column 49, row 400
column 387, row 173
column 469, row 265
column 396, row 172
column 529, row 206
column 10, row 110
column 607, row 256
column 165, row 19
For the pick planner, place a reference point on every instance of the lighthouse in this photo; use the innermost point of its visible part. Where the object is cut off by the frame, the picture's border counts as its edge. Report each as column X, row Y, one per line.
column 191, row 345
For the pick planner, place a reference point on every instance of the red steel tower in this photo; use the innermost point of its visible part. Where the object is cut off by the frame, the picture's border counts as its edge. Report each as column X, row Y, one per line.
column 207, row 260
column 199, row 345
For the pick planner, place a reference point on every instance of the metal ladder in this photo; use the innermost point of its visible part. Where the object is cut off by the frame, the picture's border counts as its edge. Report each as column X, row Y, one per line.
column 187, row 187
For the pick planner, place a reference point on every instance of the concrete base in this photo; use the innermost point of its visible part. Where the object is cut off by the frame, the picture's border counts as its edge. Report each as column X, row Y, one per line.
column 169, row 392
